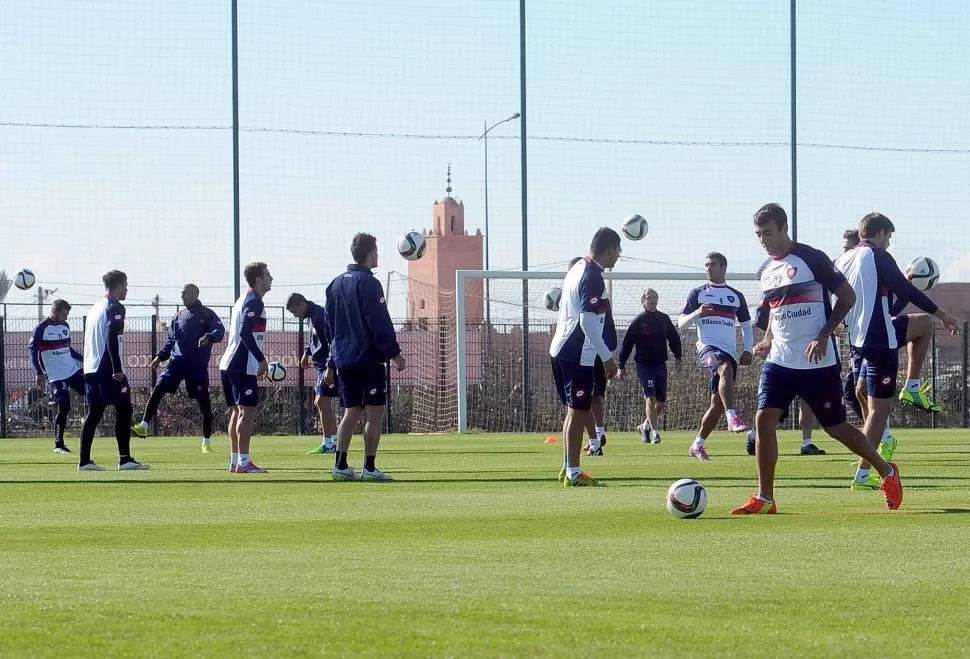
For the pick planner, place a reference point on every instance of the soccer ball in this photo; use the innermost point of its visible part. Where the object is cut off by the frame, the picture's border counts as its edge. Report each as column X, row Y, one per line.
column 24, row 279
column 276, row 372
column 412, row 245
column 634, row 227
column 924, row 271
column 551, row 298
column 686, row 499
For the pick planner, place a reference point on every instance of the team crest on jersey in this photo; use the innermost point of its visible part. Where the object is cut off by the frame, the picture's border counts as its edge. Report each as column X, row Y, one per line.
column 792, row 270
column 731, row 299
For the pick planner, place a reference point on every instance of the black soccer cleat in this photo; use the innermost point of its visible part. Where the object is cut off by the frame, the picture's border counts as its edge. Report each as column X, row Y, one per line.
column 811, row 449
column 751, row 441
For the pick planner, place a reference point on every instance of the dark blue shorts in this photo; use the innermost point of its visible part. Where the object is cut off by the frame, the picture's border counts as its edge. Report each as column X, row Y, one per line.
column 599, row 378
column 653, row 379
column 363, row 387
column 105, row 390
column 821, row 388
column 574, row 382
column 61, row 389
column 321, row 389
column 240, row 389
column 879, row 367
column 710, row 358
column 196, row 379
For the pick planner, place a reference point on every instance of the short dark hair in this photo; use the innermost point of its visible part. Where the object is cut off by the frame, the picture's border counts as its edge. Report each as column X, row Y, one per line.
column 60, row 305
column 605, row 238
column 873, row 224
column 254, row 271
column 852, row 235
column 293, row 300
column 362, row 245
column 113, row 278
column 574, row 261
column 771, row 213
column 717, row 256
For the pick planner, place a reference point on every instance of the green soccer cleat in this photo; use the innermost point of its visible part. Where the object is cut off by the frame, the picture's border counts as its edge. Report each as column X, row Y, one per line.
column 583, row 480
column 139, row 431
column 886, row 449
column 870, row 484
column 320, row 450
column 562, row 475
column 206, row 448
column 919, row 400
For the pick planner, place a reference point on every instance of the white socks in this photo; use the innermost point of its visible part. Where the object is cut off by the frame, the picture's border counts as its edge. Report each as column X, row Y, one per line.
column 233, row 460
column 572, row 473
column 594, row 443
column 806, row 441
column 600, row 431
column 699, row 442
column 912, row 386
column 861, row 475
column 243, row 459
column 732, row 414
column 328, row 442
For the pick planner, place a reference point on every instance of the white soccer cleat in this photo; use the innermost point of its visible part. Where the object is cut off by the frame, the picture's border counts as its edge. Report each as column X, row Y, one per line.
column 134, row 466
column 377, row 476
column 344, row 474
column 91, row 467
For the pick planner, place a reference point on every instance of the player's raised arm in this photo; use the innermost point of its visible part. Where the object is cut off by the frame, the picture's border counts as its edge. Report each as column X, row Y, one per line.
column 691, row 311
column 905, row 292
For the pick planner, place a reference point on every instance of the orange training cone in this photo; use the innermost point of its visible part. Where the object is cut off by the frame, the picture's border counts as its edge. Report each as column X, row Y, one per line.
column 551, row 440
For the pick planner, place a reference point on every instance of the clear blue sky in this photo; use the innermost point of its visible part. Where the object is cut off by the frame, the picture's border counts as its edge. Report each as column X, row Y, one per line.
column 351, row 113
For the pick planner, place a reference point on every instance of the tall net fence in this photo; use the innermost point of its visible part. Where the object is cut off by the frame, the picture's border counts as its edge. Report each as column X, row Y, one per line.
column 116, row 144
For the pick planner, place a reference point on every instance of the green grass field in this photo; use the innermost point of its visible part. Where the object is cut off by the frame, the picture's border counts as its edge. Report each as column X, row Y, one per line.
column 477, row 550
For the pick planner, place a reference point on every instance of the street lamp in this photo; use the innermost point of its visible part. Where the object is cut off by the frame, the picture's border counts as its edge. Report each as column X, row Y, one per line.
column 484, row 136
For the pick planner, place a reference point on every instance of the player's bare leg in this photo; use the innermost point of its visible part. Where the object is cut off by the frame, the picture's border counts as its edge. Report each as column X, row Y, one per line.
column 860, row 444
column 654, row 410
column 245, row 419
column 919, row 338
column 725, row 391
column 345, row 432
column 572, row 431
column 594, row 427
column 327, row 422
column 233, row 437
column 372, row 438
column 806, row 421
column 766, row 450
column 708, row 423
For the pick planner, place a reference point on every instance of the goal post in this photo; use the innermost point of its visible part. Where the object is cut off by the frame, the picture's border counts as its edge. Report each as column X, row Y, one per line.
column 488, row 348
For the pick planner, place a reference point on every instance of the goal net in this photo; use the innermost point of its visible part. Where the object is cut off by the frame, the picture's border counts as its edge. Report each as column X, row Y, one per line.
column 504, row 375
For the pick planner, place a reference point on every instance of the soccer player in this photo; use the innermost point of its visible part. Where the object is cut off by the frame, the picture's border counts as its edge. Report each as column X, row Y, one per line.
column 717, row 308
column 876, row 336
column 243, row 363
column 363, row 340
column 651, row 332
column 806, row 420
column 799, row 350
column 318, row 350
column 585, row 332
column 58, row 365
column 596, row 423
column 105, row 382
column 191, row 334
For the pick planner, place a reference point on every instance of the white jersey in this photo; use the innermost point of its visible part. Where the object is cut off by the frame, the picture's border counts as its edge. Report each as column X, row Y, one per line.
column 717, row 327
column 795, row 300
column 51, row 352
column 247, row 333
column 104, row 341
column 583, row 291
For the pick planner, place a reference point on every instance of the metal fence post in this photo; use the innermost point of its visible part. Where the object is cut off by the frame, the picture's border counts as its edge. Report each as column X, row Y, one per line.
column 933, row 362
column 3, row 378
column 966, row 375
